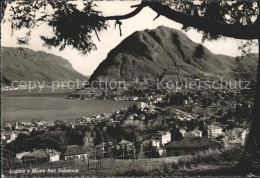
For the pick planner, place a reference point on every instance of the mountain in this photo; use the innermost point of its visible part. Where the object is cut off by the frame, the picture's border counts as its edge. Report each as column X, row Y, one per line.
column 28, row 65
column 163, row 52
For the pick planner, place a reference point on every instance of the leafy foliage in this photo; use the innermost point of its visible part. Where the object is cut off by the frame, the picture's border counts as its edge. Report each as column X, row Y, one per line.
column 74, row 27
column 71, row 26
column 230, row 12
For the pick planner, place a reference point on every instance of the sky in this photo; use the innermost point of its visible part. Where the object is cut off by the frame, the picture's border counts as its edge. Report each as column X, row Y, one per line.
column 111, row 38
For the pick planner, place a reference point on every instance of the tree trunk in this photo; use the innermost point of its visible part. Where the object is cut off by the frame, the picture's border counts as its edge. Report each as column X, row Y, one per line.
column 250, row 162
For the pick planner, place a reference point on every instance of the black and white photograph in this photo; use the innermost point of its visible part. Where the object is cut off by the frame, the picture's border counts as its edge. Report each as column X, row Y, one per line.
column 138, row 88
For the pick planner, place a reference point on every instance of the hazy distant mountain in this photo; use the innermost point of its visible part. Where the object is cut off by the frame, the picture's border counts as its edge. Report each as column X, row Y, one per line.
column 28, row 65
column 164, row 52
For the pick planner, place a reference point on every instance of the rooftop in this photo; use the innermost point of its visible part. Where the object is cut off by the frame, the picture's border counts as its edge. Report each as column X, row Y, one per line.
column 42, row 153
column 191, row 142
column 124, row 142
column 75, row 150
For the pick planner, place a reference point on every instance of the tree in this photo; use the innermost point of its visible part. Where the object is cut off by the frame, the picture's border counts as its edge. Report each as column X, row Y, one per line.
column 98, row 139
column 175, row 133
column 73, row 27
column 132, row 129
column 246, row 71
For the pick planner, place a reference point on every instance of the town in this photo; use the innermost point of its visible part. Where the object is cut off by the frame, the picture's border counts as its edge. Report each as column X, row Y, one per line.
column 159, row 123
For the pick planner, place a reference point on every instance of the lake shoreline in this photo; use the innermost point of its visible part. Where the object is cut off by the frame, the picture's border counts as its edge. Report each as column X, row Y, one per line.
column 17, row 107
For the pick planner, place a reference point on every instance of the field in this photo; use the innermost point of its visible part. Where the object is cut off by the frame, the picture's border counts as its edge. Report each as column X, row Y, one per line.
column 104, row 167
column 210, row 162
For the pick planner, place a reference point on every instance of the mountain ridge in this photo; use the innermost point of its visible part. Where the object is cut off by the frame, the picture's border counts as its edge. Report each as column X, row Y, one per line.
column 162, row 51
column 24, row 64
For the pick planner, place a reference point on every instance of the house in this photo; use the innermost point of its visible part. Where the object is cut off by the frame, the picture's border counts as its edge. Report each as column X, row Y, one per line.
column 235, row 136
column 126, row 143
column 8, row 127
column 165, row 137
column 10, row 136
column 157, row 100
column 142, row 117
column 208, row 110
column 75, row 152
column 212, row 109
column 160, row 138
column 16, row 126
column 141, row 105
column 188, row 146
column 214, row 130
column 21, row 155
column 42, row 155
column 27, row 124
column 3, row 137
column 198, row 110
column 134, row 98
column 193, row 133
column 40, row 123
column 204, row 118
column 182, row 131
column 28, row 129
column 131, row 117
column 161, row 151
column 87, row 119
column 155, row 143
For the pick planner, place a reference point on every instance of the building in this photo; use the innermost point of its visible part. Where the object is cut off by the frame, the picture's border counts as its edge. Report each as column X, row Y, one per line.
column 21, row 155
column 165, row 137
column 16, row 126
column 189, row 146
column 158, row 99
column 215, row 131
column 124, row 143
column 131, row 116
column 8, row 127
column 235, row 136
column 75, row 152
column 212, row 109
column 182, row 131
column 42, row 155
column 193, row 133
column 198, row 110
column 142, row 117
column 27, row 124
column 155, row 143
column 208, row 110
column 28, row 129
column 142, row 105
column 10, row 136
column 40, row 123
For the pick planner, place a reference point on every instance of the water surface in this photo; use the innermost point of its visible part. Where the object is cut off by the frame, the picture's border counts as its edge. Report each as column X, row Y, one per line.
column 50, row 107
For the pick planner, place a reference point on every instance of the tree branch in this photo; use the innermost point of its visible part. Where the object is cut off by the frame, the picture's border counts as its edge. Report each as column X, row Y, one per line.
column 126, row 16
column 207, row 24
column 96, row 34
column 201, row 23
column 158, row 15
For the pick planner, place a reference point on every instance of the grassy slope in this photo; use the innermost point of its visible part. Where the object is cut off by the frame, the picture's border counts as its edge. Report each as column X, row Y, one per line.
column 215, row 162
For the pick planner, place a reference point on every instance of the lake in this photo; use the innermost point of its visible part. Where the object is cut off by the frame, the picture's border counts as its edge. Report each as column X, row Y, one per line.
column 20, row 106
